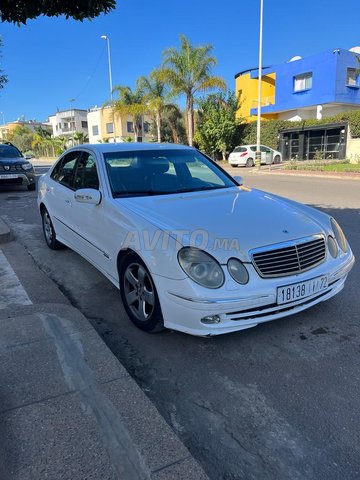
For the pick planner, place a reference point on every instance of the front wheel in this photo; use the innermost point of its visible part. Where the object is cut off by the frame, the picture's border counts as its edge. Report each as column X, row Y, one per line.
column 139, row 295
column 49, row 232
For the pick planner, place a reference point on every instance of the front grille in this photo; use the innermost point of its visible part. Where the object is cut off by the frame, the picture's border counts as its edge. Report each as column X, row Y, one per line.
column 10, row 168
column 289, row 258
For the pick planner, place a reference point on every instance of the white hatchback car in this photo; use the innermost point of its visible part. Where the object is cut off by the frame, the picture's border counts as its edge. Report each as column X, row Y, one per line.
column 245, row 156
column 188, row 246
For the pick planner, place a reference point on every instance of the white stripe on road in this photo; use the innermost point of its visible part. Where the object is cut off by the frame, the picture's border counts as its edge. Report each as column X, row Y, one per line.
column 12, row 293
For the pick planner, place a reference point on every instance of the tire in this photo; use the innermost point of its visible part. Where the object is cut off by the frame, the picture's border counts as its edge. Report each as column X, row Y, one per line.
column 250, row 162
column 49, row 232
column 31, row 187
column 139, row 296
column 277, row 159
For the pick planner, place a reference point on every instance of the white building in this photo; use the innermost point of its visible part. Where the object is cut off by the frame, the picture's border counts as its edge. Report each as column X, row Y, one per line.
column 68, row 122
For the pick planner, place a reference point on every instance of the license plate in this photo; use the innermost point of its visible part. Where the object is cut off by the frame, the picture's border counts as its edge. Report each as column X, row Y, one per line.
column 297, row 291
column 5, row 177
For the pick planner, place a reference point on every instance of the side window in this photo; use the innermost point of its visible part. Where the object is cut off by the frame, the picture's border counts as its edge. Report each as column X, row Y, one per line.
column 55, row 173
column 66, row 174
column 264, row 149
column 86, row 174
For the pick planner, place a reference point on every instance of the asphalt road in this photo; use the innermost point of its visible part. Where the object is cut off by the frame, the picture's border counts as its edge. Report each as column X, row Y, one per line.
column 279, row 401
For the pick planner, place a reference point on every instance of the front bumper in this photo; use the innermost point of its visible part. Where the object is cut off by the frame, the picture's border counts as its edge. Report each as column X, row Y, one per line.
column 20, row 179
column 183, row 310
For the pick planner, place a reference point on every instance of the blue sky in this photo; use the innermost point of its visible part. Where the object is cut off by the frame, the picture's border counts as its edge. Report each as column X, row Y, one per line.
column 51, row 60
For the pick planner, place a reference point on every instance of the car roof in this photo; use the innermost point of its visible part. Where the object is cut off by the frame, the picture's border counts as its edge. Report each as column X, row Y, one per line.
column 130, row 146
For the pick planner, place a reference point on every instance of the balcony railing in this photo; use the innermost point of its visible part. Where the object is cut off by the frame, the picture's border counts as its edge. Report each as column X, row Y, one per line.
column 265, row 102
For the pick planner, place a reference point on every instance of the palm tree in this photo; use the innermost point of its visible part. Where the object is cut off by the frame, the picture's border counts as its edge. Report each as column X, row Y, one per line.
column 188, row 72
column 156, row 95
column 80, row 137
column 130, row 103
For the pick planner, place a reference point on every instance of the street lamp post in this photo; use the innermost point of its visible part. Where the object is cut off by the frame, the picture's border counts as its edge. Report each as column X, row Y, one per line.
column 258, row 129
column 105, row 37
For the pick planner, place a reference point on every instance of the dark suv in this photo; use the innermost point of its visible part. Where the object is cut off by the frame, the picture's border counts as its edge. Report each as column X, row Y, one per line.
column 14, row 168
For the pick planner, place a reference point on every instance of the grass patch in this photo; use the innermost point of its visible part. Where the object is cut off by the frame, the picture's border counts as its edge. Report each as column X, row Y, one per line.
column 323, row 166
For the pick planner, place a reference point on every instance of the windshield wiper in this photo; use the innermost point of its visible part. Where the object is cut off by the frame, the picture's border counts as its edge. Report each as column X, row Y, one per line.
column 139, row 192
column 198, row 189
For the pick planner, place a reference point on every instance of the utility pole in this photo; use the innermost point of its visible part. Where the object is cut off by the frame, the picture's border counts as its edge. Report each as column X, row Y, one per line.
column 258, row 129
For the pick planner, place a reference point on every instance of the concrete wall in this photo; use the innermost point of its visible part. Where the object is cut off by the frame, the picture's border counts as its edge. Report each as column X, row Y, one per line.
column 353, row 150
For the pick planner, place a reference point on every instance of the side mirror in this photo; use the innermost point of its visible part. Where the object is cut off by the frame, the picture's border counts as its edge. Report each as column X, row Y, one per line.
column 88, row 195
column 239, row 180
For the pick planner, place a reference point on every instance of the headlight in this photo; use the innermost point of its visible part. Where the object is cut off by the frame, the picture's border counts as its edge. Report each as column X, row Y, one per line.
column 332, row 246
column 201, row 267
column 238, row 271
column 26, row 166
column 339, row 235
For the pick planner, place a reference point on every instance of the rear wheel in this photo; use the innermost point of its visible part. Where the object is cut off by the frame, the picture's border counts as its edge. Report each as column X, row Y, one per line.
column 250, row 162
column 139, row 295
column 49, row 232
column 277, row 159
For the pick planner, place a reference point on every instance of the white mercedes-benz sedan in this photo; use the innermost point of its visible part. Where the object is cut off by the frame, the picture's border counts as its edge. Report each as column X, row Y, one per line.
column 189, row 247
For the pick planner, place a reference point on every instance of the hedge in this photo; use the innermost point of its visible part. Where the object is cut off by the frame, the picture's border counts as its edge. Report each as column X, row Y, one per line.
column 270, row 129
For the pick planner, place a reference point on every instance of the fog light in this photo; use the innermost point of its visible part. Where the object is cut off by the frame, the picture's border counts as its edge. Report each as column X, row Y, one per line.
column 210, row 319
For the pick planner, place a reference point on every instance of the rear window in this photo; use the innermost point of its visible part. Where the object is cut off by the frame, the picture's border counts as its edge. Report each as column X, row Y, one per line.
column 240, row 149
column 7, row 151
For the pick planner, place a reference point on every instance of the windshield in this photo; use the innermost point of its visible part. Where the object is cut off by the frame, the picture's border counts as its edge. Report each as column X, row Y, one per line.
column 7, row 151
column 159, row 172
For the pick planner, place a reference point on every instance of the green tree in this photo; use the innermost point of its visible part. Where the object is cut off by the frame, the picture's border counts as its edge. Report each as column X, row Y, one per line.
column 20, row 11
column 21, row 137
column 80, row 137
column 156, row 95
column 218, row 129
column 131, row 102
column 173, row 126
column 188, row 72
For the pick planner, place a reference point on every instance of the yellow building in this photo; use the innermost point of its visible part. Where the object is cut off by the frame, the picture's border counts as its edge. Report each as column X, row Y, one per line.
column 246, row 88
column 104, row 125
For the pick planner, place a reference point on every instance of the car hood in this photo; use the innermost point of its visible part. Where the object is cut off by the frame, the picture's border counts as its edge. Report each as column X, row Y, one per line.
column 227, row 222
column 12, row 161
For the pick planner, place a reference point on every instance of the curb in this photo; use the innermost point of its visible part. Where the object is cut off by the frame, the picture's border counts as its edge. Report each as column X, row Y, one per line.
column 5, row 233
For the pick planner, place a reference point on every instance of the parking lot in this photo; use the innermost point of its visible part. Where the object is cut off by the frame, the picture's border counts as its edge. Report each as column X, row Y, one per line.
column 278, row 401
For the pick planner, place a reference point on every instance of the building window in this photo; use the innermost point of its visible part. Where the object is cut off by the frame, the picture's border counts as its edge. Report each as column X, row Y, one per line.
column 109, row 128
column 146, row 127
column 303, row 82
column 59, row 126
column 84, row 124
column 95, row 130
column 130, row 127
column 352, row 77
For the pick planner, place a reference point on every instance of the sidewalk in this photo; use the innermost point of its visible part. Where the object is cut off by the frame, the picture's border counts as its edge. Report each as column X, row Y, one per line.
column 68, row 408
column 280, row 170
